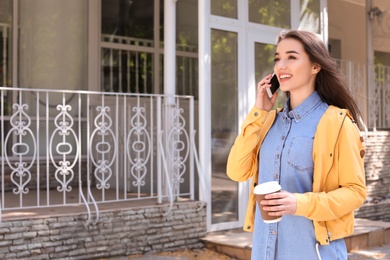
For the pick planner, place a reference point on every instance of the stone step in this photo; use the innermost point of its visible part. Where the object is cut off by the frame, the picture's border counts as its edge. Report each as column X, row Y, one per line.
column 237, row 243
column 368, row 234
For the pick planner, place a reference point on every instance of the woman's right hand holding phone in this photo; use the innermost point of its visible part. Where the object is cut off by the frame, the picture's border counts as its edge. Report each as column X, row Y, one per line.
column 262, row 100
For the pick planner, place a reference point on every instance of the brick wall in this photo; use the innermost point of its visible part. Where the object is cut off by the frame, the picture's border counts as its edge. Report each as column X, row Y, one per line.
column 374, row 211
column 377, row 166
column 120, row 232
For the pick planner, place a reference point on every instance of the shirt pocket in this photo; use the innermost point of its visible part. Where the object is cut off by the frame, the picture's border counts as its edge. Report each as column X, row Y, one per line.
column 300, row 154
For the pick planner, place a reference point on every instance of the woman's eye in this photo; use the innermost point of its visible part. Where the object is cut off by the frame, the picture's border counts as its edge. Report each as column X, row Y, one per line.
column 276, row 59
column 291, row 58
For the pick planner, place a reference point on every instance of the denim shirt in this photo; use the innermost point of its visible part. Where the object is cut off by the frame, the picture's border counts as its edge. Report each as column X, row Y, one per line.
column 286, row 156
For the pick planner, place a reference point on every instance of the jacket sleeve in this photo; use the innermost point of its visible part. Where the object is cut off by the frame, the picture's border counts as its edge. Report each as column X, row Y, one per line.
column 242, row 160
column 343, row 186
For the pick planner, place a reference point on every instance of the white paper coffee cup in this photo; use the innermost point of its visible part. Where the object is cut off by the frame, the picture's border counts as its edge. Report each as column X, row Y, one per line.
column 263, row 189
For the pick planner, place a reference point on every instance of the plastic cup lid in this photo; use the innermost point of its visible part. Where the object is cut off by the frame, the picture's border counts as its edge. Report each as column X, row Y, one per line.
column 267, row 187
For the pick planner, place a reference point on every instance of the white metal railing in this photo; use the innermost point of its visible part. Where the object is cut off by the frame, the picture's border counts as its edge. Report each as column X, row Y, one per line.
column 62, row 148
column 370, row 86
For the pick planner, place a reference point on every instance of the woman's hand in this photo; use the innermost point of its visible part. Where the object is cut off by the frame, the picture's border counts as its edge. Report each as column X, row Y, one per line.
column 262, row 100
column 280, row 203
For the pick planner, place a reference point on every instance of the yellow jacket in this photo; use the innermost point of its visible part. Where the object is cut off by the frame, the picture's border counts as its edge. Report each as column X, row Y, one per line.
column 339, row 179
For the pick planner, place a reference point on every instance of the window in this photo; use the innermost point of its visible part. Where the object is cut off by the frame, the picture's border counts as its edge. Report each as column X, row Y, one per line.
column 128, row 44
column 382, row 58
column 132, row 46
column 225, row 8
column 275, row 13
column 334, row 46
column 187, row 47
column 309, row 19
column 5, row 43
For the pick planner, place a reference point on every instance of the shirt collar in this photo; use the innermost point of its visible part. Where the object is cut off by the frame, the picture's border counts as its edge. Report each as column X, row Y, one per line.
column 298, row 113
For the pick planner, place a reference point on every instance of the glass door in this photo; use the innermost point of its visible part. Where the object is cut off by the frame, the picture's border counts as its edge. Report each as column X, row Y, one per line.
column 226, row 39
column 232, row 96
column 224, row 121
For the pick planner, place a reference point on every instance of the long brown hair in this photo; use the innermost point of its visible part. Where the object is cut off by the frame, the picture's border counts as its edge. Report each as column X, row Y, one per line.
column 330, row 83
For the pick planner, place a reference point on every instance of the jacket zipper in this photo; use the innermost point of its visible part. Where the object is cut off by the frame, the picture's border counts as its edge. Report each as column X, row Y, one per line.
column 334, row 147
column 327, row 232
column 326, row 226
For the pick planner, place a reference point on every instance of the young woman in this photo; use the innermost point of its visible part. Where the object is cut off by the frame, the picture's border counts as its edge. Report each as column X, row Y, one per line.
column 312, row 147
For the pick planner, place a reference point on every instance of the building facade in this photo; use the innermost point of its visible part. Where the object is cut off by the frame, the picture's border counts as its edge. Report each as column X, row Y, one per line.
column 211, row 50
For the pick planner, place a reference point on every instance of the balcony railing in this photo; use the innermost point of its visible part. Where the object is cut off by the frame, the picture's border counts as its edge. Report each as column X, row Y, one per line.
column 66, row 148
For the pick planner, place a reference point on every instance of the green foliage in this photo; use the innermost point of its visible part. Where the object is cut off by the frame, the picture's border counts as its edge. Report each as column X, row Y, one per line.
column 268, row 12
column 225, row 8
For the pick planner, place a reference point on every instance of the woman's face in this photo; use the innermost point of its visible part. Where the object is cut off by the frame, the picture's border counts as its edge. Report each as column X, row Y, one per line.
column 295, row 71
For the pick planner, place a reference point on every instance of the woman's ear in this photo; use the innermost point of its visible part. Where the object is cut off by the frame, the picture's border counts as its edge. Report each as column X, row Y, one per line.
column 316, row 68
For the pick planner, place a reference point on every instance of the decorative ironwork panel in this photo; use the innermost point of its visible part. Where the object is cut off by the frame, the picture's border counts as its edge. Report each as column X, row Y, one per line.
column 138, row 144
column 21, row 167
column 104, row 139
column 61, row 145
column 179, row 145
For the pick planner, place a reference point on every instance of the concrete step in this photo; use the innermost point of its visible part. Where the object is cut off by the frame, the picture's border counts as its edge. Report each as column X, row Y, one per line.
column 238, row 244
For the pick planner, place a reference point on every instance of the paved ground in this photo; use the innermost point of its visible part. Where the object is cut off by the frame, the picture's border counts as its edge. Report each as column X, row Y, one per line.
column 154, row 258
column 184, row 254
column 236, row 238
column 381, row 252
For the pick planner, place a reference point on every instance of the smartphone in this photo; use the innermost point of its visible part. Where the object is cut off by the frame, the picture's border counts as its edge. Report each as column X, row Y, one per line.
column 274, row 86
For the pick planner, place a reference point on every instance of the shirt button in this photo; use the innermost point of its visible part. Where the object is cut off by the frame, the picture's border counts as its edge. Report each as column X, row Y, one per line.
column 298, row 117
column 256, row 114
column 273, row 232
column 276, row 176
